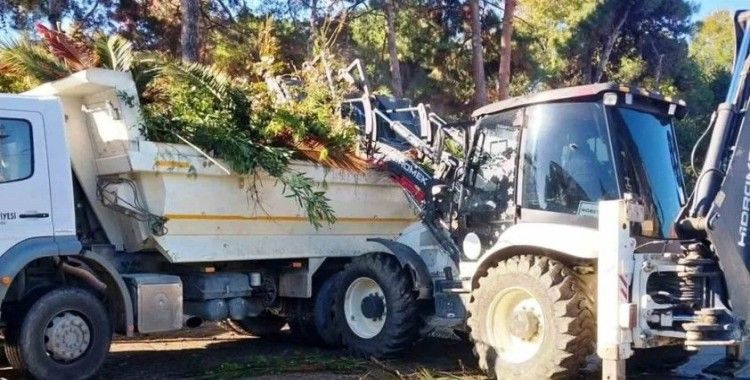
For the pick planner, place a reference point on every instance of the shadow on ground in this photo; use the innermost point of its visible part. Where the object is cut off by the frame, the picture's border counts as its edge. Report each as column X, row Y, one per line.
column 213, row 353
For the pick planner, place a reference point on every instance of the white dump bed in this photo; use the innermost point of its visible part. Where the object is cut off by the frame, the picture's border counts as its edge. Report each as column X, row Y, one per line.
column 211, row 215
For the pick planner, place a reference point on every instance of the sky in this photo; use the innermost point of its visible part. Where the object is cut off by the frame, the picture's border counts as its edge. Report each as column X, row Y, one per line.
column 708, row 6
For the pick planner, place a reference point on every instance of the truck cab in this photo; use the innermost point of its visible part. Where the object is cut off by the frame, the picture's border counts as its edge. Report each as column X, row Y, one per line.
column 34, row 162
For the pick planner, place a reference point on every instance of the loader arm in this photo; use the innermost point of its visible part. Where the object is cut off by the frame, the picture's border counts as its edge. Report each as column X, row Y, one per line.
column 720, row 206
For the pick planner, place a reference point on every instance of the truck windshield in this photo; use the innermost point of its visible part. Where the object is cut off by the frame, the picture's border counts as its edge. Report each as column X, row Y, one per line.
column 651, row 165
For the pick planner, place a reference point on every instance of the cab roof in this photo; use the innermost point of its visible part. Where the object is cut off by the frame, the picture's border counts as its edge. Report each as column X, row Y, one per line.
column 571, row 93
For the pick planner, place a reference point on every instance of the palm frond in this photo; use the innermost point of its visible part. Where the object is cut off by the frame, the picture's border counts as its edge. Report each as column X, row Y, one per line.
column 114, row 52
column 25, row 57
column 314, row 149
column 217, row 83
column 144, row 69
column 76, row 57
column 201, row 76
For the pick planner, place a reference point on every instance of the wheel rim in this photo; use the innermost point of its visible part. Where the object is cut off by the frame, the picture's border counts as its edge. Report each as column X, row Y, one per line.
column 516, row 325
column 67, row 336
column 365, row 307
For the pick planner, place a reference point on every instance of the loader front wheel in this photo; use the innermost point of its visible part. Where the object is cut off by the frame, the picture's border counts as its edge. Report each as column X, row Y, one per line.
column 376, row 307
column 530, row 320
column 64, row 334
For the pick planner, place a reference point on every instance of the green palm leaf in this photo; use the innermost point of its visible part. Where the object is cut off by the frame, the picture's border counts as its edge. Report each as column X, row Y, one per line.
column 217, row 83
column 25, row 57
column 114, row 52
column 205, row 77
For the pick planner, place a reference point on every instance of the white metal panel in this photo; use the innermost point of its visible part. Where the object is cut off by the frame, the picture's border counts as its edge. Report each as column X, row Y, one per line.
column 614, row 276
column 225, row 218
column 60, row 174
column 576, row 241
column 419, row 238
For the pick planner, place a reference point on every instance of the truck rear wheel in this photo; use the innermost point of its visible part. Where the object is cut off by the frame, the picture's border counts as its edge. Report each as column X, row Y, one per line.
column 529, row 320
column 376, row 307
column 324, row 312
column 263, row 326
column 314, row 320
column 65, row 334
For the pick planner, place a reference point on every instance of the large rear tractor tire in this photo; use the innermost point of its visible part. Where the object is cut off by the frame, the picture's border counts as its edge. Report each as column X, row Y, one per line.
column 529, row 319
column 376, row 307
column 263, row 326
column 64, row 334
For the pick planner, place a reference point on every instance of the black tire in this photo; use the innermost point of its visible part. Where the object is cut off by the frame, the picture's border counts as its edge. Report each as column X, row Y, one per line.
column 400, row 328
column 658, row 359
column 25, row 344
column 301, row 323
column 567, row 323
column 324, row 312
column 264, row 325
column 314, row 321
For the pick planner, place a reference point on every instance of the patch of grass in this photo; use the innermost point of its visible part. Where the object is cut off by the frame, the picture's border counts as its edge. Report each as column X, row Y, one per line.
column 428, row 374
column 259, row 365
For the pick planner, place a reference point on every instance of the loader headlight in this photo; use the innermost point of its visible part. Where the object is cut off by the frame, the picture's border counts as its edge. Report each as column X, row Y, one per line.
column 610, row 99
column 472, row 246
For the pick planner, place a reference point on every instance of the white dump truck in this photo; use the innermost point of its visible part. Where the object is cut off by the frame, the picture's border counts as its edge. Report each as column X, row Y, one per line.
column 102, row 231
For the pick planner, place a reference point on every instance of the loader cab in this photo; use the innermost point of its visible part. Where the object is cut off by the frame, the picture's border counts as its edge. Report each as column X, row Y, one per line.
column 549, row 158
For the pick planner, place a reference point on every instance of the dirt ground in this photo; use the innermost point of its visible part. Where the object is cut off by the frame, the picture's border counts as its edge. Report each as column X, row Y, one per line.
column 213, row 353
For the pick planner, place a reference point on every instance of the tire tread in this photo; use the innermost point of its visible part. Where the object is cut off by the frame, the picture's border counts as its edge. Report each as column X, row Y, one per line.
column 573, row 314
column 402, row 328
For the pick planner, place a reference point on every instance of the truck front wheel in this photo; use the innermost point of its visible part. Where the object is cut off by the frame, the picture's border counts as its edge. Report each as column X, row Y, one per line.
column 376, row 307
column 529, row 320
column 64, row 334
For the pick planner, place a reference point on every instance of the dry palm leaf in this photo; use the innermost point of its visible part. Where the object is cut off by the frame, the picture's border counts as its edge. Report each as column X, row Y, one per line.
column 76, row 57
column 314, row 150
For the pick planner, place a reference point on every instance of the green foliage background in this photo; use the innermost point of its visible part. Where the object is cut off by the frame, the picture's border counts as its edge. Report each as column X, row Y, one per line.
column 660, row 45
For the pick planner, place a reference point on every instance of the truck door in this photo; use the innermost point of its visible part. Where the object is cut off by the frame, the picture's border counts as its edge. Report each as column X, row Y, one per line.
column 25, row 205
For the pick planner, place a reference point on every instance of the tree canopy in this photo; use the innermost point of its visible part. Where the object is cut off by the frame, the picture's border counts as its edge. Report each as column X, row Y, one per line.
column 425, row 49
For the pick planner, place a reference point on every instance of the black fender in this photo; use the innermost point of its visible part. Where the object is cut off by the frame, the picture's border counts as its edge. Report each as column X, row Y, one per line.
column 408, row 258
column 117, row 291
column 15, row 259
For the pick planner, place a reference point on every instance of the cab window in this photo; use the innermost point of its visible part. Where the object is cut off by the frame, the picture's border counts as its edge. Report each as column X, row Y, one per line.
column 16, row 151
column 567, row 165
column 492, row 174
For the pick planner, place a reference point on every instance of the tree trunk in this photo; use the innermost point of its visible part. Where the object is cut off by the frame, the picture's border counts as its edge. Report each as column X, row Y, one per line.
column 659, row 64
column 190, row 38
column 54, row 13
column 657, row 74
column 477, row 57
column 609, row 46
column 390, row 20
column 313, row 22
column 503, row 82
